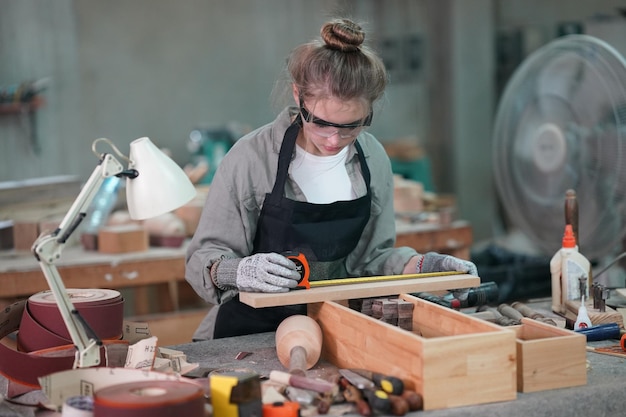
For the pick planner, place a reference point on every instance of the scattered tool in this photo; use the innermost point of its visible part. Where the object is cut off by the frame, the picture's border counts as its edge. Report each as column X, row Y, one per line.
column 236, row 394
column 281, row 409
column 298, row 343
column 400, row 397
column 413, row 399
column 377, row 399
column 615, row 350
column 601, row 332
column 353, row 395
column 508, row 311
column 298, row 381
column 485, row 293
column 496, row 316
column 389, row 384
column 529, row 312
column 449, row 303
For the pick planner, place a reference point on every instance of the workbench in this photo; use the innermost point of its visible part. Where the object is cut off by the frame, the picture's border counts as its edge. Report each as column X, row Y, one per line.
column 21, row 276
column 603, row 395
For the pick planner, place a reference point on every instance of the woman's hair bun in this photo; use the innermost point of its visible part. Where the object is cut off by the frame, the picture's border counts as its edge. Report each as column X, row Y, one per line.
column 343, row 35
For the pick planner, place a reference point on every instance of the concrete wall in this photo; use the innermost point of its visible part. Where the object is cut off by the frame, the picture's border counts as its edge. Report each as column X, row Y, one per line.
column 125, row 69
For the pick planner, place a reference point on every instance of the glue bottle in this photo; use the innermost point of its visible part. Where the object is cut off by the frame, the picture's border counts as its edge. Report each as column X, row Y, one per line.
column 568, row 268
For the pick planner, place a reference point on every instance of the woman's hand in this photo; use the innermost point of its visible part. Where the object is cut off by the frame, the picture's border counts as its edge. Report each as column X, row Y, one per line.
column 267, row 272
column 436, row 262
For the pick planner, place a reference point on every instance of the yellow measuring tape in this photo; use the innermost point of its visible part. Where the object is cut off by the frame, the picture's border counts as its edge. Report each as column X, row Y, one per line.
column 342, row 281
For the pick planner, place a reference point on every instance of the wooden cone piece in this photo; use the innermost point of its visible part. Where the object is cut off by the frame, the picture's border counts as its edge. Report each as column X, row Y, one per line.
column 298, row 343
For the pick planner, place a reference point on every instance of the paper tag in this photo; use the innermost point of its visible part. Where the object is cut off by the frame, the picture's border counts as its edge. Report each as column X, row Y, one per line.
column 141, row 354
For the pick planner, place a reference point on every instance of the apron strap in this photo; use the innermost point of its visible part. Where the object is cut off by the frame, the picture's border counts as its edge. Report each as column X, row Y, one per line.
column 284, row 159
column 286, row 153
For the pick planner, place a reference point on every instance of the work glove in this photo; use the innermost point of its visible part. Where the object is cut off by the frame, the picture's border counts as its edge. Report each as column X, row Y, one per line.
column 436, row 262
column 266, row 272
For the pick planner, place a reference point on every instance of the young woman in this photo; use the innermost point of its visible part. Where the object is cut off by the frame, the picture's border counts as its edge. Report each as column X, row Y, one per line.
column 312, row 181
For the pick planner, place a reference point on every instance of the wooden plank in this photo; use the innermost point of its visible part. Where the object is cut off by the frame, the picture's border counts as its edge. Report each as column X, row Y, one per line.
column 359, row 290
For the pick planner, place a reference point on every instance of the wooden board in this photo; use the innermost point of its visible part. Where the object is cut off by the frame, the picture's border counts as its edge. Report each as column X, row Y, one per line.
column 359, row 290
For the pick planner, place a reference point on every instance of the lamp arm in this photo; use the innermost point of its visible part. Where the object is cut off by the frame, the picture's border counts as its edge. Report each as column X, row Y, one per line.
column 48, row 248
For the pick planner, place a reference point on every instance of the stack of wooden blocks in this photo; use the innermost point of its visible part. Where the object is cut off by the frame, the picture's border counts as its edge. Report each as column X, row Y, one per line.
column 394, row 311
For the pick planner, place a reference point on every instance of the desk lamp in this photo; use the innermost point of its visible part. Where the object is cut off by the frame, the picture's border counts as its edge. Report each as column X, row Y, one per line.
column 155, row 185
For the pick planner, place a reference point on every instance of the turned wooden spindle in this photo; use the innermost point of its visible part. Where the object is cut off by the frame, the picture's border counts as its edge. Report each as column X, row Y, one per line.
column 298, row 343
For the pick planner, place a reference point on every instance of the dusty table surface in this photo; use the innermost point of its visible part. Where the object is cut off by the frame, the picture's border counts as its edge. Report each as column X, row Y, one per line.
column 603, row 395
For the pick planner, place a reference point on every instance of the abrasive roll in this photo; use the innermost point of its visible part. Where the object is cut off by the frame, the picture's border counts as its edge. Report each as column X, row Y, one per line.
column 150, row 399
column 43, row 327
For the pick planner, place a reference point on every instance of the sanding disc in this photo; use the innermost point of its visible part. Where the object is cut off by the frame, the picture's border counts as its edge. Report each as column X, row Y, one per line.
column 150, row 399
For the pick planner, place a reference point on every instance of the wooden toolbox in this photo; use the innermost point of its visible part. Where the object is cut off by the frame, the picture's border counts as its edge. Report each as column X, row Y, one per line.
column 549, row 357
column 450, row 358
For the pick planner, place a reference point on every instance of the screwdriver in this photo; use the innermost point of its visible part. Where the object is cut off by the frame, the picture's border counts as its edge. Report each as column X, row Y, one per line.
column 389, row 384
column 377, row 399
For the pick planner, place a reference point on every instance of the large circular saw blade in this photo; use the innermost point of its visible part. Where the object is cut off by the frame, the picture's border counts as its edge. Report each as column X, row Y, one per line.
column 561, row 124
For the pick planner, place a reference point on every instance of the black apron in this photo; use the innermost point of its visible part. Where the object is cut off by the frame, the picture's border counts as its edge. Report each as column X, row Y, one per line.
column 322, row 232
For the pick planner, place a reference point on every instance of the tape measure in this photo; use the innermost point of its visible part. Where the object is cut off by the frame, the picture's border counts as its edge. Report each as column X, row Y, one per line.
column 360, row 280
column 302, row 266
column 282, row 409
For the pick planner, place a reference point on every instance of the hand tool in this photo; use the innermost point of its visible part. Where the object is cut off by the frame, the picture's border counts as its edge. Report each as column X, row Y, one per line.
column 298, row 343
column 378, row 400
column 298, row 381
column 400, row 397
column 353, row 395
column 508, row 311
column 533, row 314
column 281, row 409
column 450, row 303
column 236, row 394
column 389, row 384
column 302, row 266
column 485, row 293
column 601, row 332
column 414, row 399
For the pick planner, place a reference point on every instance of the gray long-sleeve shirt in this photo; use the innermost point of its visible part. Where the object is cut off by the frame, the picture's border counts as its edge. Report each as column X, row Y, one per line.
column 247, row 173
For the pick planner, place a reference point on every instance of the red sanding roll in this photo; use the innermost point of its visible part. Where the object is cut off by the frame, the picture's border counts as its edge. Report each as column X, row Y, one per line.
column 43, row 327
column 150, row 399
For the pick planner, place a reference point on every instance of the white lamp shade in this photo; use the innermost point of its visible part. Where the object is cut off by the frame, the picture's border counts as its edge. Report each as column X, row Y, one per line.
column 160, row 187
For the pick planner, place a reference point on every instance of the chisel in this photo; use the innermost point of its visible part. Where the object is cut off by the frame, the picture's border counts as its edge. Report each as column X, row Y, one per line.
column 378, row 400
column 389, row 384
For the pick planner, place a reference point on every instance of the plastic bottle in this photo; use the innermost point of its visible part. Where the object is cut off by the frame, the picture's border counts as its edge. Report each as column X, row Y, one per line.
column 582, row 320
column 567, row 267
column 102, row 205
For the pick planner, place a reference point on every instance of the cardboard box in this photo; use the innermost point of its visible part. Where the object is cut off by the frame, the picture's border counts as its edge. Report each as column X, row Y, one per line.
column 122, row 239
column 450, row 358
column 549, row 357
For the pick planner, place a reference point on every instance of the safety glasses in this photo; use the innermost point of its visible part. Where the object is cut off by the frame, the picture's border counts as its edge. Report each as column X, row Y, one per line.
column 327, row 129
